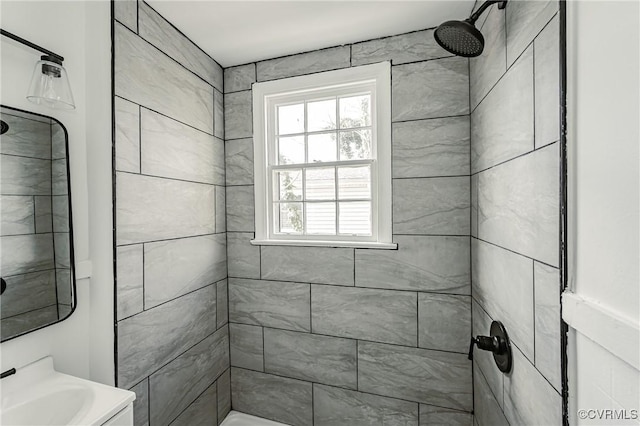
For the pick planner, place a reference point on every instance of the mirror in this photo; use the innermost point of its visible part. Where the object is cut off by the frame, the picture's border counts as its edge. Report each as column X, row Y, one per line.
column 36, row 238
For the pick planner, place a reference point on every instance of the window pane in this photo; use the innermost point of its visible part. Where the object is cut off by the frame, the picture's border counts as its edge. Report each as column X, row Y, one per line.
column 288, row 218
column 355, row 144
column 355, row 218
column 321, row 218
column 355, row 111
column 290, row 119
column 321, row 115
column 320, row 184
column 291, row 150
column 322, row 147
column 289, row 185
column 354, row 182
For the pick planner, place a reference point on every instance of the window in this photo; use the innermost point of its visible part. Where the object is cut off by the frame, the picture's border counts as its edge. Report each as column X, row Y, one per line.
column 322, row 155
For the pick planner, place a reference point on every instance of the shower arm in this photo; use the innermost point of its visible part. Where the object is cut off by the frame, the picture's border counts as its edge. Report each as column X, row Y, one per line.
column 474, row 17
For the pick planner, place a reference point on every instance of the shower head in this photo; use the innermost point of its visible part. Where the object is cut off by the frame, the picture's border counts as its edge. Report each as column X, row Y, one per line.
column 462, row 38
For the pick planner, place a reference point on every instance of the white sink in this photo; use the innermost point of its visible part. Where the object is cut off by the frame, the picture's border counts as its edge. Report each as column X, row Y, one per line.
column 38, row 395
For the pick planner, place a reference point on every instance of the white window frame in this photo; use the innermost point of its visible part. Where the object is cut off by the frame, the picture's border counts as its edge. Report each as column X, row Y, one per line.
column 265, row 94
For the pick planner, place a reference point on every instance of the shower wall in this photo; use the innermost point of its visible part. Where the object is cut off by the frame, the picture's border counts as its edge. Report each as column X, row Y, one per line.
column 171, row 264
column 515, row 165
column 360, row 336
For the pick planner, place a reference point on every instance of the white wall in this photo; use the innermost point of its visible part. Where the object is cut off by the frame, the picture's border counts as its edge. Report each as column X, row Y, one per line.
column 68, row 28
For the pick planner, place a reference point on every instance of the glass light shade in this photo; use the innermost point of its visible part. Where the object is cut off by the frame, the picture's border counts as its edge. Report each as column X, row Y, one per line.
column 50, row 86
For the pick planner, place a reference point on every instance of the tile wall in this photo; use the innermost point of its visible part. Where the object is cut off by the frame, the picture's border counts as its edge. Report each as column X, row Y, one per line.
column 335, row 336
column 171, row 256
column 515, row 159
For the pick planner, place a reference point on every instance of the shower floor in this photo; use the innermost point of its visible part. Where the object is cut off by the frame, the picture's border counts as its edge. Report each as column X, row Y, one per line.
column 235, row 418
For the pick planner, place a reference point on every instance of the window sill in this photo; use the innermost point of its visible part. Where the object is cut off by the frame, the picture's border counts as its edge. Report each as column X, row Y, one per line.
column 348, row 244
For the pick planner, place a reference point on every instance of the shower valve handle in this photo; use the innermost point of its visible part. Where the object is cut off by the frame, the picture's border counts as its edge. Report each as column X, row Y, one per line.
column 492, row 344
column 498, row 343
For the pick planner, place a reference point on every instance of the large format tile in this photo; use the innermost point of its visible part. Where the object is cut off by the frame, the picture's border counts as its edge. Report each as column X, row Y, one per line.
column 239, row 161
column 423, row 263
column 130, row 280
column 44, row 220
column 221, row 209
column 218, row 114
column 360, row 313
column 247, row 346
column 148, row 77
column 503, row 285
column 28, row 292
column 222, row 298
column 547, row 338
column 429, row 148
column 176, row 385
column 62, row 250
column 159, row 32
column 127, row 128
column 308, row 264
column 276, row 398
column 433, row 206
column 243, row 257
column 430, row 415
column 26, row 138
column 174, row 150
column 18, row 324
column 474, row 205
column 151, row 209
column 239, row 78
column 238, row 117
column 17, row 215
column 240, row 208
column 399, row 49
column 486, row 410
column 547, row 84
column 518, row 205
column 444, row 322
column 318, row 359
column 126, row 12
column 525, row 391
column 201, row 411
column 26, row 253
column 304, row 63
column 420, row 375
column 25, row 176
column 525, row 19
column 224, row 395
column 483, row 360
column 176, row 267
column 177, row 325
column 60, row 213
column 141, row 403
column 438, row 88
column 502, row 125
column 59, row 183
column 270, row 304
column 338, row 407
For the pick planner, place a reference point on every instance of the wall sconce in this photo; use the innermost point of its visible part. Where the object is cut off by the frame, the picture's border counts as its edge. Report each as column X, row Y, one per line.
column 49, row 83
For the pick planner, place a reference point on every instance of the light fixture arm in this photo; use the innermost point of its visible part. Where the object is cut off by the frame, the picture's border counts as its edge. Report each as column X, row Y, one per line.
column 474, row 17
column 32, row 45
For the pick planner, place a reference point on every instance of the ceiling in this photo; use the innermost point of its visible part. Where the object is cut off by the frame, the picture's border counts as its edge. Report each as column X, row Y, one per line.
column 237, row 31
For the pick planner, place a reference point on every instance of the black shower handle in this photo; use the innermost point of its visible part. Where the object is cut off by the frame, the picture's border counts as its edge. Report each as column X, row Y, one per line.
column 4, row 285
column 493, row 344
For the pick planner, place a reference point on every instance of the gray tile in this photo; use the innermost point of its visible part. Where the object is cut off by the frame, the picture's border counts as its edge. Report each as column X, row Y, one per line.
column 338, row 407
column 427, row 148
column 420, row 375
column 59, row 183
column 26, row 253
column 18, row 324
column 483, row 361
column 28, row 292
column 547, row 84
column 239, row 78
column 318, row 359
column 486, row 69
column 176, row 267
column 58, row 141
column 240, row 208
column 474, row 205
column 201, row 411
column 177, row 325
column 486, row 410
column 64, row 286
column 423, row 263
column 304, row 63
column 224, row 395
column 431, row 415
column 308, row 264
column 438, row 88
column 243, row 258
column 24, row 176
column 174, row 150
column 239, row 161
column 503, row 285
column 141, row 403
column 127, row 122
column 247, row 346
column 272, row 397
column 525, row 391
column 431, row 206
column 17, row 215
column 525, row 19
column 62, row 249
column 126, row 12
column 547, row 323
column 502, row 125
column 518, row 205
column 238, row 118
column 399, row 49
column 148, row 77
column 176, row 385
column 222, row 299
column 221, row 209
column 44, row 220
column 347, row 312
column 151, row 209
column 444, row 322
column 130, row 276
column 26, row 138
column 218, row 114
column 270, row 304
column 60, row 213
column 155, row 29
